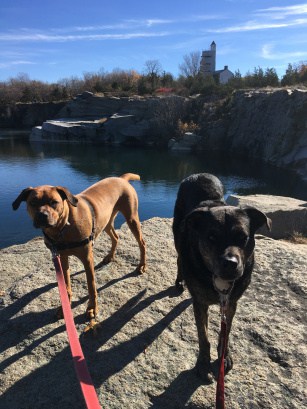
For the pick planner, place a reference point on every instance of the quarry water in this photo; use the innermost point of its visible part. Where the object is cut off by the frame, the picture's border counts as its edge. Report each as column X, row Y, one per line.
column 24, row 164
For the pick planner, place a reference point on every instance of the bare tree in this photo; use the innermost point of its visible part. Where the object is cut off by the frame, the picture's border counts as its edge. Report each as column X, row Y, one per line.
column 153, row 70
column 190, row 65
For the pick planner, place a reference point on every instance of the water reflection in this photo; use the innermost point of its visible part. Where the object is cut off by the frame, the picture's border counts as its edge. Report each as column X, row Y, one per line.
column 77, row 166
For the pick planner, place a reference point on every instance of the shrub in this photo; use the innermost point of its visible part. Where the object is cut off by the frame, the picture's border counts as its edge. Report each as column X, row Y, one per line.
column 184, row 127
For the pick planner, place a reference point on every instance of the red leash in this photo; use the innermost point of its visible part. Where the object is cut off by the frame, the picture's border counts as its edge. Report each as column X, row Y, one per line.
column 81, row 369
column 220, row 389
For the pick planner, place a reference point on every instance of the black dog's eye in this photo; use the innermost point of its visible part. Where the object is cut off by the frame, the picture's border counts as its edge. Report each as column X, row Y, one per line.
column 33, row 203
column 213, row 237
column 241, row 239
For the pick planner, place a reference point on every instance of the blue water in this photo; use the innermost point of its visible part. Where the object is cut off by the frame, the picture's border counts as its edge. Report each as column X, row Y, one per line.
column 23, row 164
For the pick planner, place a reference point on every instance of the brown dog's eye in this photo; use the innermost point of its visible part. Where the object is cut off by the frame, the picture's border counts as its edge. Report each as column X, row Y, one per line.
column 54, row 203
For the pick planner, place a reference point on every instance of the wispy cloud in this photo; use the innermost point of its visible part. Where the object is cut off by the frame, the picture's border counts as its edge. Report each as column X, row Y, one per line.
column 268, row 52
column 127, row 29
column 270, row 18
column 123, row 25
column 248, row 26
column 9, row 64
column 280, row 13
column 116, row 26
column 155, row 22
column 40, row 37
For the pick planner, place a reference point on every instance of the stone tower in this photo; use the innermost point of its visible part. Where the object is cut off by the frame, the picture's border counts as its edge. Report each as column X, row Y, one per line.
column 208, row 60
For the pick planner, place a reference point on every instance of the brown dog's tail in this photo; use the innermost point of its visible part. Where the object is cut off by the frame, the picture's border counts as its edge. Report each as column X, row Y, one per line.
column 130, row 176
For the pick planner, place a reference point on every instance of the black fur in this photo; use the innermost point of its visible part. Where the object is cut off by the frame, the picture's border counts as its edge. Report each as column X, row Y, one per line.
column 215, row 245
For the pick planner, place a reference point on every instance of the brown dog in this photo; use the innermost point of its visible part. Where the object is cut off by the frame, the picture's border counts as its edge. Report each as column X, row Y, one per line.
column 71, row 223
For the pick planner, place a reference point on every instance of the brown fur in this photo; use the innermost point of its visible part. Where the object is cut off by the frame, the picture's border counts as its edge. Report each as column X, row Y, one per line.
column 66, row 218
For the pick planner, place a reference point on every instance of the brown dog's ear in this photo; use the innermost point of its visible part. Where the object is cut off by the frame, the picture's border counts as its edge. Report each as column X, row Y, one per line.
column 257, row 218
column 66, row 195
column 22, row 197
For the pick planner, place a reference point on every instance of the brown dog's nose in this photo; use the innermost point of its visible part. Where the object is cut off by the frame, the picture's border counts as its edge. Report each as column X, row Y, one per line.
column 41, row 219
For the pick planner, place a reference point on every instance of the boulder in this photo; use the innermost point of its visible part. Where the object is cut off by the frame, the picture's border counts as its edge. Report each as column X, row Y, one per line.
column 36, row 134
column 187, row 143
column 69, row 130
column 115, row 127
column 288, row 215
column 266, row 124
column 144, row 353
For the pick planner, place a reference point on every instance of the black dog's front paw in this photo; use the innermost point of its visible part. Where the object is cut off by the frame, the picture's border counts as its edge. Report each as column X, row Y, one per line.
column 204, row 371
column 228, row 363
column 179, row 285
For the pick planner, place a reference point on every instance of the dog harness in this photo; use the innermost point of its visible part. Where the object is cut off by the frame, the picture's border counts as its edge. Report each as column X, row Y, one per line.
column 59, row 246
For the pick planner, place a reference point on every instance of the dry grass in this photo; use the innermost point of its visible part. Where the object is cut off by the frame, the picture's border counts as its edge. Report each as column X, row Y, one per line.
column 297, row 238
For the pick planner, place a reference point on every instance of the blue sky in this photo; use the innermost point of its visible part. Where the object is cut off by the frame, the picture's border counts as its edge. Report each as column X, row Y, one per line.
column 50, row 39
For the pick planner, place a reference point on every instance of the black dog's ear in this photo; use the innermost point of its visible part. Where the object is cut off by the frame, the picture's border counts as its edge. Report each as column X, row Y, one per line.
column 66, row 195
column 195, row 220
column 257, row 218
column 22, row 197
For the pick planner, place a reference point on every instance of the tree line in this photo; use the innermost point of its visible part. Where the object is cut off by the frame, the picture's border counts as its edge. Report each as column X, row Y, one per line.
column 152, row 81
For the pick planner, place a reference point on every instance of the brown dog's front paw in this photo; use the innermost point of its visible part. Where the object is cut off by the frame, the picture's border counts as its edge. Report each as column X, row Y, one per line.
column 204, row 371
column 141, row 268
column 92, row 327
column 91, row 312
column 108, row 258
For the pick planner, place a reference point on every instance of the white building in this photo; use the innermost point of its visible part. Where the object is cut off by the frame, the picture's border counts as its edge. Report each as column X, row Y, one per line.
column 208, row 64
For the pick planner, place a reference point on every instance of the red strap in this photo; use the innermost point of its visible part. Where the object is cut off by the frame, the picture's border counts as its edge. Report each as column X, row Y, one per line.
column 81, row 369
column 220, row 398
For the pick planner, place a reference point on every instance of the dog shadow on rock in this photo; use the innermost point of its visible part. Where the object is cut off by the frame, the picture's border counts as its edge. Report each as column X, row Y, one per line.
column 119, row 356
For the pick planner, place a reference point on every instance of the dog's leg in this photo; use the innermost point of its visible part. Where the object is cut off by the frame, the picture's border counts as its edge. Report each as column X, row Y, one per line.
column 203, row 362
column 114, row 239
column 179, row 279
column 87, row 259
column 66, row 273
column 135, row 226
column 230, row 312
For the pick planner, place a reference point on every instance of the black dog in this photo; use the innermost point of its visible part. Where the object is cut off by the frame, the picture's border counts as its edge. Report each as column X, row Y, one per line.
column 215, row 245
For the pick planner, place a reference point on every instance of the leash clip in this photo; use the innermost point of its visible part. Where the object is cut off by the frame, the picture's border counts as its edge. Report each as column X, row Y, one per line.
column 54, row 252
column 223, row 306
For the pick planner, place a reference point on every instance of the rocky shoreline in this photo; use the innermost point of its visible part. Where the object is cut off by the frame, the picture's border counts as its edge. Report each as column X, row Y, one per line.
column 268, row 125
column 263, row 124
column 144, row 353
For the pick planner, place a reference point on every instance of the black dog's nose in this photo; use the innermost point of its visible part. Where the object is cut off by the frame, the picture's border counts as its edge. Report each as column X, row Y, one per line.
column 230, row 262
